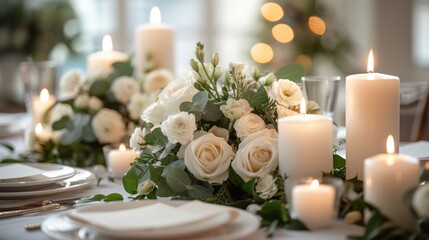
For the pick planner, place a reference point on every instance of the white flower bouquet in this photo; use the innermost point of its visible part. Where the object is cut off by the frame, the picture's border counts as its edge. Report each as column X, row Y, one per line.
column 101, row 108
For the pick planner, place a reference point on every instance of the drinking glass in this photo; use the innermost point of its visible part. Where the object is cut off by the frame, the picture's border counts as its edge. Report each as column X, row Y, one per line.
column 323, row 90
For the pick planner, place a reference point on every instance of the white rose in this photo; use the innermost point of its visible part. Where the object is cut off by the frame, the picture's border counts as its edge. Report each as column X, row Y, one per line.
column 257, row 155
column 176, row 92
column 123, row 88
column 420, row 201
column 248, row 124
column 70, row 82
column 145, row 187
column 208, row 158
column 108, row 126
column 220, row 132
column 179, row 128
column 285, row 112
column 137, row 138
column 287, row 92
column 154, row 113
column 157, row 79
column 95, row 104
column 234, row 109
column 266, row 186
column 138, row 103
column 81, row 101
column 60, row 110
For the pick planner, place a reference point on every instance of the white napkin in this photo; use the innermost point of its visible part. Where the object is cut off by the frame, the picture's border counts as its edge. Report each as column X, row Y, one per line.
column 419, row 150
column 17, row 170
column 152, row 217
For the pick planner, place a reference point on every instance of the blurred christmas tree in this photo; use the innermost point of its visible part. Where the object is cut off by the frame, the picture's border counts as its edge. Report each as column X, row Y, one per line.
column 303, row 31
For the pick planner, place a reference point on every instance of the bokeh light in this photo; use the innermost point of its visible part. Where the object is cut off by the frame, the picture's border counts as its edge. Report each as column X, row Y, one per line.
column 262, row 53
column 272, row 11
column 282, row 33
column 304, row 60
column 317, row 25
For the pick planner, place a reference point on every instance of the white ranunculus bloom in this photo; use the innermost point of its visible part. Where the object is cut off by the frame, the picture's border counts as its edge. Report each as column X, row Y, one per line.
column 137, row 138
column 220, row 132
column 95, row 104
column 248, row 124
column 60, row 110
column 266, row 186
column 287, row 92
column 157, row 80
column 138, row 103
column 420, row 201
column 176, row 92
column 108, row 126
column 123, row 88
column 70, row 82
column 234, row 109
column 81, row 101
column 285, row 112
column 257, row 155
column 179, row 128
column 208, row 158
column 154, row 113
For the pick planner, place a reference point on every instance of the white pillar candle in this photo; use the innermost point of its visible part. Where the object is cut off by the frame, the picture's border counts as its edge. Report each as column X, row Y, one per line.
column 314, row 204
column 388, row 178
column 43, row 134
column 154, row 40
column 372, row 113
column 41, row 104
column 305, row 145
column 119, row 161
column 103, row 60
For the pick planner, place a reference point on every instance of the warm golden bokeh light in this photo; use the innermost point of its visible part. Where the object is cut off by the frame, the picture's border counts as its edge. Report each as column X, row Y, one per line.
column 262, row 53
column 305, row 61
column 282, row 33
column 317, row 25
column 272, row 11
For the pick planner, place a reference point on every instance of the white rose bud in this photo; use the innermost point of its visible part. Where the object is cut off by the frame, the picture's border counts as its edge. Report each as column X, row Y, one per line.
column 253, row 208
column 268, row 79
column 123, row 88
column 266, row 186
column 137, row 138
column 420, row 201
column 234, row 109
column 353, row 217
column 95, row 104
column 248, row 124
column 81, row 101
column 145, row 187
column 179, row 128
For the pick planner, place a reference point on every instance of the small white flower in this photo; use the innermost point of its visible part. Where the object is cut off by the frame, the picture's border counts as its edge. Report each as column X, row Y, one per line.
column 157, row 80
column 266, row 186
column 123, row 88
column 138, row 103
column 176, row 92
column 253, row 208
column 420, row 201
column 248, row 124
column 234, row 109
column 95, row 104
column 268, row 79
column 108, row 126
column 257, row 155
column 60, row 110
column 81, row 101
column 208, row 158
column 220, row 132
column 137, row 138
column 238, row 66
column 287, row 92
column 70, row 82
column 145, row 187
column 179, row 128
column 154, row 113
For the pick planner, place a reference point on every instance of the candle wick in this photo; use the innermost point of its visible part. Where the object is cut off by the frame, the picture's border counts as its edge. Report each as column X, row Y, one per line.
column 370, row 71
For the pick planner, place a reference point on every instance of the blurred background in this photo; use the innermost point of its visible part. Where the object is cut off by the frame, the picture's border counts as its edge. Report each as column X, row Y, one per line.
column 328, row 37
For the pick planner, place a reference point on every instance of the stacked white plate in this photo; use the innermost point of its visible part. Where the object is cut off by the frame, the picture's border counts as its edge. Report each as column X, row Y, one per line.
column 22, row 180
column 151, row 219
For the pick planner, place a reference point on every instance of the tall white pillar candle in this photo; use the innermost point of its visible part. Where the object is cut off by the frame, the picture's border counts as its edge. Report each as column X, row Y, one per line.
column 103, row 60
column 305, row 145
column 119, row 161
column 388, row 178
column 41, row 104
column 154, row 40
column 372, row 113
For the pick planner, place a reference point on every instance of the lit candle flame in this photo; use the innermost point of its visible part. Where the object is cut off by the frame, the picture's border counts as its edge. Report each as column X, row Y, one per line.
column 44, row 95
column 370, row 66
column 314, row 184
column 122, row 147
column 38, row 129
column 303, row 107
column 390, row 145
column 155, row 15
column 107, row 43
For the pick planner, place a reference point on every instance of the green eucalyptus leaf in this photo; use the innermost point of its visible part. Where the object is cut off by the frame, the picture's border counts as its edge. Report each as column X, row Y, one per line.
column 156, row 137
column 180, row 164
column 130, row 180
column 164, row 190
column 178, row 180
column 167, row 150
column 81, row 120
column 152, row 194
column 293, row 72
column 274, row 209
column 70, row 137
column 8, row 146
column 199, row 192
column 186, row 106
column 259, row 98
column 61, row 124
column 249, row 187
column 234, row 178
column 155, row 174
column 339, row 162
column 94, row 198
column 123, row 68
column 295, row 224
column 10, row 160
column 200, row 99
column 99, row 88
column 212, row 113
column 168, row 159
column 88, row 135
column 113, row 197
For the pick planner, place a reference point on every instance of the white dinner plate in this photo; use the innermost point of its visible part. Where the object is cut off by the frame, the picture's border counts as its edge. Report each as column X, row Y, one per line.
column 62, row 227
column 81, row 179
column 24, row 176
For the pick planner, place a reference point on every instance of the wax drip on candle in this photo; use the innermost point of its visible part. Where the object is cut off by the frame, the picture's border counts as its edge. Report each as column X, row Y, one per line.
column 122, row 147
column 303, row 106
column 155, row 15
column 107, row 43
column 44, row 95
column 390, row 148
column 314, row 184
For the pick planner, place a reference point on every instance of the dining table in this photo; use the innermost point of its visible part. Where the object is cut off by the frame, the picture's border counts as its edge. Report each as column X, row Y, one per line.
column 14, row 227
